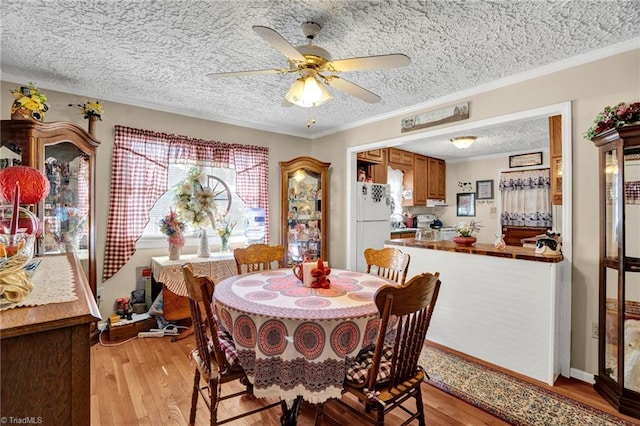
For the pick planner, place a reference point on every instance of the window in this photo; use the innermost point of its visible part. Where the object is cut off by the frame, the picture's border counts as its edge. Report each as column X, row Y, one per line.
column 139, row 176
column 151, row 235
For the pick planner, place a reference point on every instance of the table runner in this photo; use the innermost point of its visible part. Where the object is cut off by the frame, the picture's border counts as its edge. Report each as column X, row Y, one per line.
column 53, row 282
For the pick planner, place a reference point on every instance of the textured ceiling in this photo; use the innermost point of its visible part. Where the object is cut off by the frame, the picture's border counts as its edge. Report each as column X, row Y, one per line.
column 156, row 53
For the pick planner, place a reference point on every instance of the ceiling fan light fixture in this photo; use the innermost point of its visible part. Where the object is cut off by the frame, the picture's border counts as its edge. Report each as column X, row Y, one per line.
column 463, row 142
column 307, row 91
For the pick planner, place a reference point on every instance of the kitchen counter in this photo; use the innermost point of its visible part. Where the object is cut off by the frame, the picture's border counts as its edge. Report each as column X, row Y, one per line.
column 402, row 230
column 508, row 307
column 513, row 252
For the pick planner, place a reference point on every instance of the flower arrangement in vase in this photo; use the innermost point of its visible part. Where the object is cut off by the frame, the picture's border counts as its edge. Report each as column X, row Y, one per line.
column 28, row 103
column 465, row 231
column 612, row 117
column 173, row 228
column 196, row 205
column 224, row 229
column 91, row 111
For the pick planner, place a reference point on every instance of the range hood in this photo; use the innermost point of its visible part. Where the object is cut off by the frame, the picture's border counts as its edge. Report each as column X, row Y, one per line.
column 436, row 203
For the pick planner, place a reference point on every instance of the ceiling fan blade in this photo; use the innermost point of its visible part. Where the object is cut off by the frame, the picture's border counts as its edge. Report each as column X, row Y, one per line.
column 279, row 42
column 369, row 63
column 216, row 75
column 352, row 89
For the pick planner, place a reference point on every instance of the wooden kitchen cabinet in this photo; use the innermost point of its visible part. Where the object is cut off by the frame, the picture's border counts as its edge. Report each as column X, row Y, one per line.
column 555, row 152
column 437, row 181
column 305, row 208
column 372, row 156
column 374, row 163
column 421, row 180
column 400, row 157
column 66, row 154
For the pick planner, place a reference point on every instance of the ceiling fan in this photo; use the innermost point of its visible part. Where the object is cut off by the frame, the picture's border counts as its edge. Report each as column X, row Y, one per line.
column 314, row 66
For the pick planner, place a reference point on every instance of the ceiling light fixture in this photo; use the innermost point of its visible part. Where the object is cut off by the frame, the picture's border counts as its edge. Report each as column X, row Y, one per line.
column 463, row 142
column 307, row 91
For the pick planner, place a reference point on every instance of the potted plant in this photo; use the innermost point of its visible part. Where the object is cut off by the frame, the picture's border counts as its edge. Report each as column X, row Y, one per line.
column 465, row 233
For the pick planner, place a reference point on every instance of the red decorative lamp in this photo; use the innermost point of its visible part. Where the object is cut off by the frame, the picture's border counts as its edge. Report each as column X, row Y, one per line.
column 22, row 185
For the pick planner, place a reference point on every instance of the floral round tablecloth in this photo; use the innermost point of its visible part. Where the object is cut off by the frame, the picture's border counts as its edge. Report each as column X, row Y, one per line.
column 295, row 340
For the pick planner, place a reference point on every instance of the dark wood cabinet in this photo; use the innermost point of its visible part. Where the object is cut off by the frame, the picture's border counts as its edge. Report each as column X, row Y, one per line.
column 45, row 355
column 66, row 154
column 513, row 235
column 618, row 378
column 305, row 208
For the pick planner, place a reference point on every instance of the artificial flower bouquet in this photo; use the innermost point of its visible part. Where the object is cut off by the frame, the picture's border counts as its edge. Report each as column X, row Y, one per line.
column 612, row 117
column 29, row 98
column 90, row 109
column 173, row 228
column 194, row 202
column 225, row 227
column 467, row 229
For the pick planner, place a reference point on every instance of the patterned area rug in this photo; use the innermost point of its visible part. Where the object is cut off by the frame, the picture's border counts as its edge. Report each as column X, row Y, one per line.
column 511, row 399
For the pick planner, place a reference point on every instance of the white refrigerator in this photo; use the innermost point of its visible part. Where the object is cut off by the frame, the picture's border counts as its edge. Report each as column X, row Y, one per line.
column 373, row 211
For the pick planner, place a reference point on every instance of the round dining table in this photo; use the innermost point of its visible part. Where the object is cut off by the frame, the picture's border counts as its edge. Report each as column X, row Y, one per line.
column 294, row 341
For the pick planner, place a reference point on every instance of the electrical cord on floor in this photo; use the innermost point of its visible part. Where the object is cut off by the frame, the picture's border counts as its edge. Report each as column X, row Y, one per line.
column 108, row 345
column 165, row 328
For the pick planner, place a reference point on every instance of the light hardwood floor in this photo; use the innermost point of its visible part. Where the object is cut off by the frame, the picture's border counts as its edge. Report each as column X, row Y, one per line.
column 148, row 382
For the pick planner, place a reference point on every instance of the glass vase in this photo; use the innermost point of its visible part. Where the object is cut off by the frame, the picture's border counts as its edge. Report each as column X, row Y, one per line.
column 224, row 245
column 203, row 247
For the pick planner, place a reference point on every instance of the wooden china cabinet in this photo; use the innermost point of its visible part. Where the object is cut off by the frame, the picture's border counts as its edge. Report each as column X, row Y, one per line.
column 66, row 154
column 618, row 378
column 305, row 208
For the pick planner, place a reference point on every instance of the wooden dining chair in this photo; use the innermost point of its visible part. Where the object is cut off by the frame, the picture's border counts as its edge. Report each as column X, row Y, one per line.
column 258, row 257
column 215, row 354
column 384, row 376
column 388, row 262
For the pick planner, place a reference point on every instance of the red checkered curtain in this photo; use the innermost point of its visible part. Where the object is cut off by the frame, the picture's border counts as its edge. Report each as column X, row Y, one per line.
column 252, row 177
column 139, row 177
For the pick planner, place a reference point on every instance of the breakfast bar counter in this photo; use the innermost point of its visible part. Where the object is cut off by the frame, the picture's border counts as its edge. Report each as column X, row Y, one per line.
column 513, row 252
column 509, row 307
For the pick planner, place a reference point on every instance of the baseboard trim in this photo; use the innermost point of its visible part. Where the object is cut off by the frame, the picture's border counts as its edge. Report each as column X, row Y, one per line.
column 582, row 375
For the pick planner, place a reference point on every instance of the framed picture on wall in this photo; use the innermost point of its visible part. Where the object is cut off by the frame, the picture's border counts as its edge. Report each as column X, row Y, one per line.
column 484, row 189
column 466, row 204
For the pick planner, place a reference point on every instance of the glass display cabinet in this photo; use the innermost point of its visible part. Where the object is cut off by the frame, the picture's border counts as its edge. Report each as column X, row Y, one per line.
column 305, row 207
column 65, row 153
column 618, row 378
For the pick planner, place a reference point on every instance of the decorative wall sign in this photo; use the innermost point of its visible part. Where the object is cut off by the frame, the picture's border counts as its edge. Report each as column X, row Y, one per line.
column 484, row 189
column 524, row 160
column 435, row 118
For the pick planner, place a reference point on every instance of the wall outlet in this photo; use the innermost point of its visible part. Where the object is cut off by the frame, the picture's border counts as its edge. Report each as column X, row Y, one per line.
column 100, row 293
column 594, row 330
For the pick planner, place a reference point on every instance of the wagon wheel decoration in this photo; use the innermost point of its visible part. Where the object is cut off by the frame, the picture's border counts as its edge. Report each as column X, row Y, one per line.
column 221, row 194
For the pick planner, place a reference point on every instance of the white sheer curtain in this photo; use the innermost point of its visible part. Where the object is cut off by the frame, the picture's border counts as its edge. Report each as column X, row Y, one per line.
column 526, row 199
column 394, row 179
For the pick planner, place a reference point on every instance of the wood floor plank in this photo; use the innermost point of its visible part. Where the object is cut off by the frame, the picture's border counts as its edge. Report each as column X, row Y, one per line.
column 148, row 382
